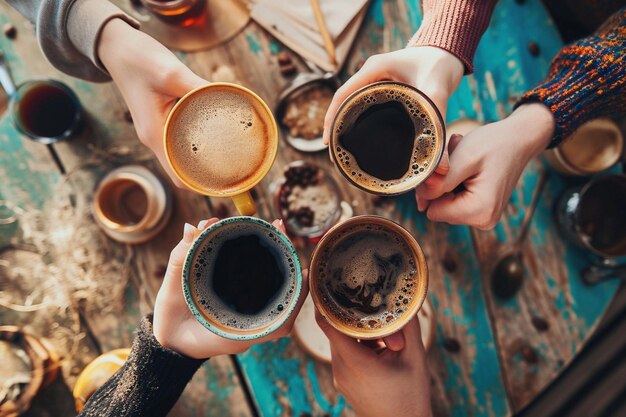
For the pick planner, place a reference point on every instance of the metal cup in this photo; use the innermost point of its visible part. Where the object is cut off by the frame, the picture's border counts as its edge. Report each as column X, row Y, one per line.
column 593, row 216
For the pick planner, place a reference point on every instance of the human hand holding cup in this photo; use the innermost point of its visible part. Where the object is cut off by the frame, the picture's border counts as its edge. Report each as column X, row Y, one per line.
column 186, row 325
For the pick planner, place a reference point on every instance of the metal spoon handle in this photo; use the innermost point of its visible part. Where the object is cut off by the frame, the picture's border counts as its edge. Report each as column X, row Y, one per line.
column 543, row 178
column 595, row 274
column 5, row 76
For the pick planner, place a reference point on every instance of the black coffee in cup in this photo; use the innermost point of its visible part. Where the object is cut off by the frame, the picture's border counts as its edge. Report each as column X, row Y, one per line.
column 248, row 286
column 389, row 158
column 368, row 277
column 387, row 138
column 602, row 215
column 242, row 278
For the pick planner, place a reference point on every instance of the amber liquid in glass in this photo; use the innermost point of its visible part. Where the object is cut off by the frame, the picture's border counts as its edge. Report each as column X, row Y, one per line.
column 178, row 12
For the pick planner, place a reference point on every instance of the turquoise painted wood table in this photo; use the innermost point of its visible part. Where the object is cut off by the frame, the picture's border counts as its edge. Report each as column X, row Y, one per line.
column 62, row 279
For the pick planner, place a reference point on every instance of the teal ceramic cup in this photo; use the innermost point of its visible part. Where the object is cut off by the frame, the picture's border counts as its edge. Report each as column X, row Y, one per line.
column 242, row 278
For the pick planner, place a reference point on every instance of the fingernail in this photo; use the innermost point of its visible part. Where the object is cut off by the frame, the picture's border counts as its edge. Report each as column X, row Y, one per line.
column 281, row 223
column 202, row 224
column 188, row 232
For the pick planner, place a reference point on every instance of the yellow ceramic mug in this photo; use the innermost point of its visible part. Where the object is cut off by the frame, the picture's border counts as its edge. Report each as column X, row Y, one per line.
column 220, row 140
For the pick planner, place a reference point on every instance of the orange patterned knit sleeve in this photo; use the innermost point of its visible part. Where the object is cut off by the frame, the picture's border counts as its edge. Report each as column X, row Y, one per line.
column 587, row 79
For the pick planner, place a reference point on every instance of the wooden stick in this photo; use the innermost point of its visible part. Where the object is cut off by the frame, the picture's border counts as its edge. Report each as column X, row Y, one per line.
column 321, row 24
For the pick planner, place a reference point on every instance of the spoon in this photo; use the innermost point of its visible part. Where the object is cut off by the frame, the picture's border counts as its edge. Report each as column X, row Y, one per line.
column 5, row 76
column 596, row 274
column 508, row 275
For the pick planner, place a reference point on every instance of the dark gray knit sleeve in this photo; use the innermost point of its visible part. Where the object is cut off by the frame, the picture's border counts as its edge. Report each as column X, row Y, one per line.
column 70, row 46
column 148, row 384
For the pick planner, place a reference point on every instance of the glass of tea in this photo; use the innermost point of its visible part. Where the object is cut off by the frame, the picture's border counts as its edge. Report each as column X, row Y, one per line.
column 46, row 111
column 177, row 12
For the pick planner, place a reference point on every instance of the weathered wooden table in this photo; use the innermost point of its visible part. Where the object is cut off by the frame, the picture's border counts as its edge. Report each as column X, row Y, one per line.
column 61, row 278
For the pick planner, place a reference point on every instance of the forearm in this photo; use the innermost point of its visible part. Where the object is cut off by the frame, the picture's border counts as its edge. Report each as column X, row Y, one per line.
column 148, row 384
column 587, row 80
column 454, row 25
column 68, row 32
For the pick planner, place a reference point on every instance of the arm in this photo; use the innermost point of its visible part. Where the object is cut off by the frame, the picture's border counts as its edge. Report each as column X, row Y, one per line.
column 94, row 40
column 388, row 383
column 434, row 61
column 587, row 79
column 168, row 351
column 68, row 32
column 148, row 384
column 455, row 26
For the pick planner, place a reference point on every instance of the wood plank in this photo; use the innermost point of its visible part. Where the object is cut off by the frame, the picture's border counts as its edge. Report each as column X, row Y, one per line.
column 31, row 187
column 285, row 381
column 552, row 290
column 107, row 141
column 282, row 379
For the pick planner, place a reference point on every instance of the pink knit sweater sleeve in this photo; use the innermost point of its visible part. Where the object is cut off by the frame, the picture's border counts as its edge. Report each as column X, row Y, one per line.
column 454, row 25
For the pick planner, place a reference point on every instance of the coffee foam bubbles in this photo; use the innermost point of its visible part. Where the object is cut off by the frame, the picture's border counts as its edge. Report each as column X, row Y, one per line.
column 371, row 264
column 201, row 279
column 429, row 136
column 219, row 139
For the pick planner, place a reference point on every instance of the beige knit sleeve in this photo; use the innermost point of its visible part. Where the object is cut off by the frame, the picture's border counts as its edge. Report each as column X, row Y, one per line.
column 85, row 22
column 68, row 32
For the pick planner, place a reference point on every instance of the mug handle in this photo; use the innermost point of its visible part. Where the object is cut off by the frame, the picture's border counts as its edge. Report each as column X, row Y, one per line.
column 244, row 203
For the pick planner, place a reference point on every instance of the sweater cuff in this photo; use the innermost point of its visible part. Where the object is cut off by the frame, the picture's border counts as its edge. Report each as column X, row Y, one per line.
column 587, row 80
column 455, row 26
column 166, row 372
column 157, row 362
column 148, row 384
column 86, row 20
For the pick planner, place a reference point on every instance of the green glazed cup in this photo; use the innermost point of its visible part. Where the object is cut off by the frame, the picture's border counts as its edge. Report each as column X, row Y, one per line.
column 212, row 311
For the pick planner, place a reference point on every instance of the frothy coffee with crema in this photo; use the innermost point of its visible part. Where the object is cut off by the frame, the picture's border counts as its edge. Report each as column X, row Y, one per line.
column 387, row 138
column 220, row 139
column 368, row 276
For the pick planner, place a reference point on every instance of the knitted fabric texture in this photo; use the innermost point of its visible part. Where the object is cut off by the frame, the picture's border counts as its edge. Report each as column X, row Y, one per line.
column 587, row 79
column 455, row 26
column 148, row 384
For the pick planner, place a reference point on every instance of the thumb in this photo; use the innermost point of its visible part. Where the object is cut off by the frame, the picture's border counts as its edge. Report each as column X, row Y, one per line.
column 451, row 144
column 344, row 346
column 395, row 341
column 444, row 164
column 177, row 258
column 184, row 81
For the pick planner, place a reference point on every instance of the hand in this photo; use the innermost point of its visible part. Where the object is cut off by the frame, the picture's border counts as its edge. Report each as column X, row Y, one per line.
column 177, row 329
column 386, row 384
column 150, row 78
column 434, row 71
column 488, row 163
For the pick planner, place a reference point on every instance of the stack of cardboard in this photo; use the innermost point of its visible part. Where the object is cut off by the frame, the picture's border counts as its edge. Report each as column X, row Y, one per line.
column 293, row 23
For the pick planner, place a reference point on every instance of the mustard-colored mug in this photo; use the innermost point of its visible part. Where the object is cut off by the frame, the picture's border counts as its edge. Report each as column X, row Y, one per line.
column 220, row 140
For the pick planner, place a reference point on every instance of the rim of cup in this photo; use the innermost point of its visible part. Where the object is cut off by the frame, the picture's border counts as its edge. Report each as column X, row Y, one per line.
column 273, row 136
column 420, row 295
column 225, row 331
column 332, row 144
